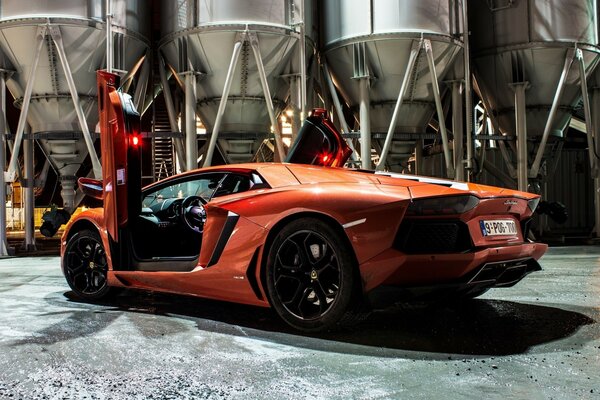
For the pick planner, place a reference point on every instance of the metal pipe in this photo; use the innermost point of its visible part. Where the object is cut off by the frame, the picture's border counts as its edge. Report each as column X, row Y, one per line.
column 142, row 86
column 468, row 88
column 57, row 38
column 521, row 132
column 535, row 168
column 365, row 123
column 237, row 48
column 265, row 86
column 414, row 52
column 29, row 198
column 419, row 168
column 457, row 130
column 596, row 121
column 439, row 108
column 12, row 165
column 338, row 108
column 191, row 134
column 3, row 122
column 587, row 112
column 109, row 37
column 179, row 148
column 302, row 69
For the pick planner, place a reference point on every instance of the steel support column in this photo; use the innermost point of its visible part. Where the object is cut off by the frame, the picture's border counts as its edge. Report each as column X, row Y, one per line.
column 3, row 131
column 338, row 109
column 29, row 198
column 191, row 134
column 468, row 89
column 365, row 123
column 109, row 37
column 89, row 142
column 414, row 52
column 12, row 165
column 438, row 105
column 280, row 151
column 142, row 85
column 595, row 175
column 535, row 168
column 457, row 130
column 237, row 48
column 521, row 132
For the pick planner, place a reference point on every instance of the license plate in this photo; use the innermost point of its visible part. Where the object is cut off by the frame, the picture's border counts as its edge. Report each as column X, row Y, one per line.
column 498, row 227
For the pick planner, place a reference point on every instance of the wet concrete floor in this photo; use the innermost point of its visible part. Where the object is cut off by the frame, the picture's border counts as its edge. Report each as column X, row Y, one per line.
column 537, row 340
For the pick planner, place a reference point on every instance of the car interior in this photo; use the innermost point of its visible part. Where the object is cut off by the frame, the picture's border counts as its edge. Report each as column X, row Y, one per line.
column 167, row 235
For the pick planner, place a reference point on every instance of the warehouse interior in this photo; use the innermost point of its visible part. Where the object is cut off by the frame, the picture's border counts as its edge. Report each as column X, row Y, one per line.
column 496, row 92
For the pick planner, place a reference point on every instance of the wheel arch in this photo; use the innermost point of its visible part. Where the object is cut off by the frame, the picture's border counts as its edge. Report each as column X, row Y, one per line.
column 80, row 225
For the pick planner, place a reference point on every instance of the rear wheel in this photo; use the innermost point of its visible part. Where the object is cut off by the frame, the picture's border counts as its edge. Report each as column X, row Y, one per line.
column 85, row 265
column 312, row 278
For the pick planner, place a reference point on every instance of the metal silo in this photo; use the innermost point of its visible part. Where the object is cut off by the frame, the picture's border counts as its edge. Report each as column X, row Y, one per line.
column 50, row 51
column 388, row 54
column 236, row 61
column 529, row 57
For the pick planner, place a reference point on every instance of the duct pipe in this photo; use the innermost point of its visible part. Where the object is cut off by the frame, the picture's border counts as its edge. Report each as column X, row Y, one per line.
column 414, row 52
column 535, row 168
column 179, row 148
column 521, row 132
column 3, row 131
column 29, row 198
column 57, row 38
column 438, row 105
column 12, row 165
column 237, row 48
column 338, row 109
column 365, row 123
column 457, row 130
column 109, row 37
column 265, row 86
column 191, row 134
column 468, row 89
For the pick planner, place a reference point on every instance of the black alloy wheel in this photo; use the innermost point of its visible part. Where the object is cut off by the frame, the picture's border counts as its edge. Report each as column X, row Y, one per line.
column 85, row 265
column 311, row 276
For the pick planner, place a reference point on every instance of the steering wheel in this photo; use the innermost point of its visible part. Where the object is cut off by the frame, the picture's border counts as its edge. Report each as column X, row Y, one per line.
column 193, row 213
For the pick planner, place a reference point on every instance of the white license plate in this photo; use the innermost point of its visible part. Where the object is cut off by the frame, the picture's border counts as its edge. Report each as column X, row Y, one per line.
column 498, row 227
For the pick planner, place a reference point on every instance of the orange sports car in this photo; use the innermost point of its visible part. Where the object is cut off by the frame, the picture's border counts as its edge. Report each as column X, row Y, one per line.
column 319, row 243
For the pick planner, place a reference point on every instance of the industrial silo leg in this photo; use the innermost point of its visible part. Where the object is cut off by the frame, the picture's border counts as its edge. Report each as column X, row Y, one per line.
column 414, row 52
column 521, row 125
column 142, row 85
column 179, row 148
column 438, row 105
column 191, row 136
column 537, row 163
column 237, row 48
column 365, row 122
column 3, row 242
column 265, row 86
column 457, row 130
column 29, row 209
column 12, row 165
column 338, row 108
column 596, row 174
column 57, row 38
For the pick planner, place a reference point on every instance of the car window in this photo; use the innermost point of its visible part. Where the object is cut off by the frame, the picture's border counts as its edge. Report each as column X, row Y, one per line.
column 203, row 186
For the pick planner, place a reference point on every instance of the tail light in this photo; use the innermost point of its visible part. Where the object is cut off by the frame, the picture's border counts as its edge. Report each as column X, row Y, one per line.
column 442, row 205
column 135, row 140
column 533, row 203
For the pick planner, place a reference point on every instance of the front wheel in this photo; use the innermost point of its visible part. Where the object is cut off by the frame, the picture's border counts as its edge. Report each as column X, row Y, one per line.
column 311, row 277
column 85, row 265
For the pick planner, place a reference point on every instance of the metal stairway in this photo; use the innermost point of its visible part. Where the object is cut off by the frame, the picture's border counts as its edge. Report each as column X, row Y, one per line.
column 163, row 155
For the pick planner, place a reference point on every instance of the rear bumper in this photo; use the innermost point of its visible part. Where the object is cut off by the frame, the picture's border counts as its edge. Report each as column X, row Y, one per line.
column 495, row 266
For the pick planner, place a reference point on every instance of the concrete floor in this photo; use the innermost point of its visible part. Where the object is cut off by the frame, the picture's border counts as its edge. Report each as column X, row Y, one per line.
column 538, row 340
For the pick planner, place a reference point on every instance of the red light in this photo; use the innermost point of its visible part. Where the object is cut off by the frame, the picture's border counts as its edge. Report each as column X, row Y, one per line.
column 324, row 158
column 135, row 140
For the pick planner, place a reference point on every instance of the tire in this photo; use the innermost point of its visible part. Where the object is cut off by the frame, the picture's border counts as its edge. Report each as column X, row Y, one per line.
column 85, row 265
column 312, row 278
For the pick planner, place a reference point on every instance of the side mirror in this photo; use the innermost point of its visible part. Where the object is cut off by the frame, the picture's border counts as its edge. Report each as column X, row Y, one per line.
column 91, row 187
